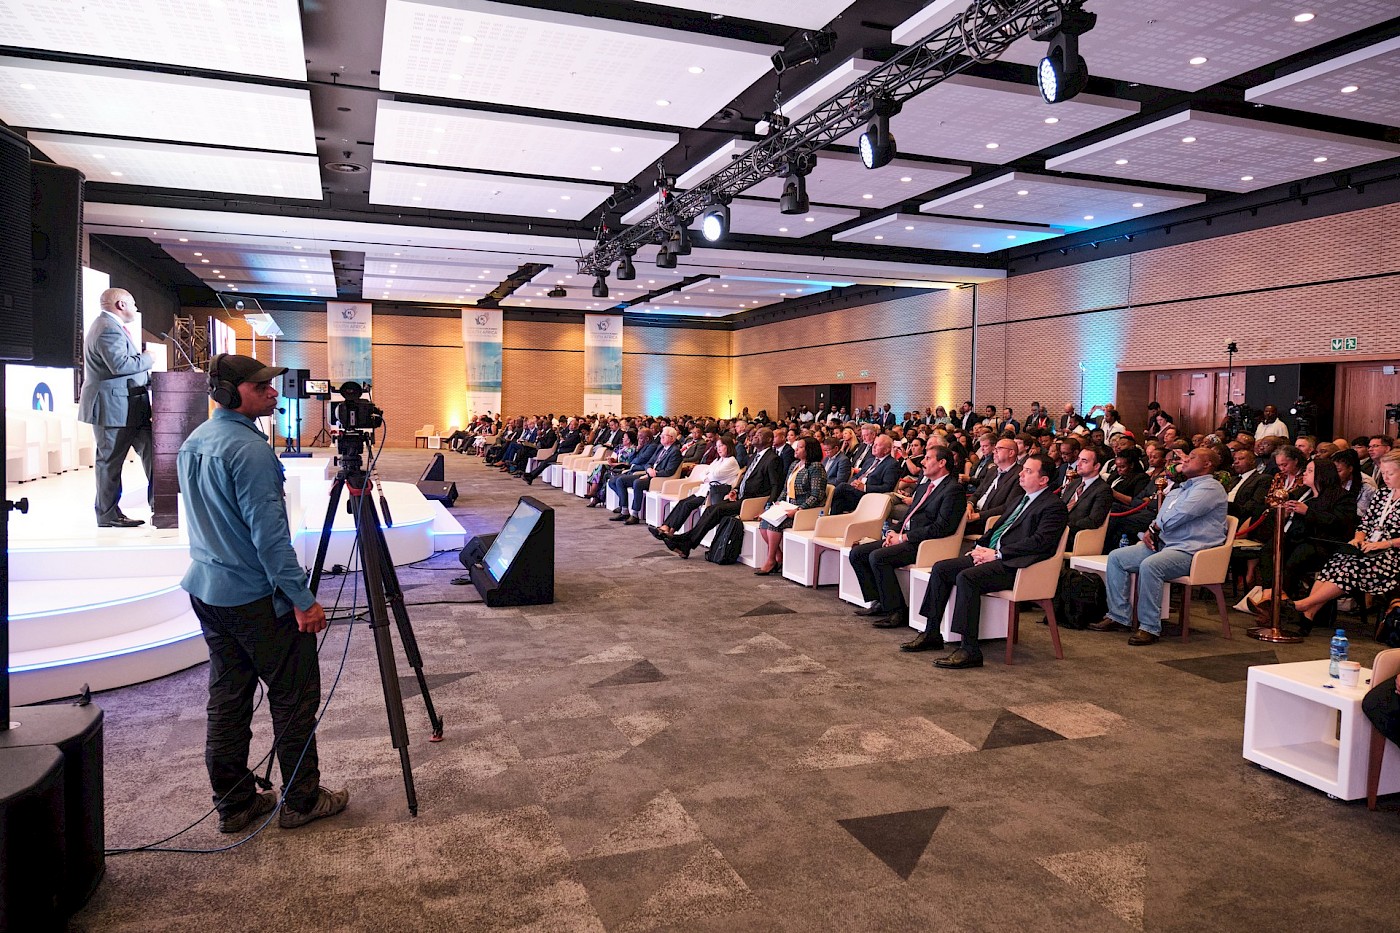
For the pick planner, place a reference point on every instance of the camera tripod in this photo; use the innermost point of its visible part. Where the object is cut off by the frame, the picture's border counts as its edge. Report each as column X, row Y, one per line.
column 383, row 595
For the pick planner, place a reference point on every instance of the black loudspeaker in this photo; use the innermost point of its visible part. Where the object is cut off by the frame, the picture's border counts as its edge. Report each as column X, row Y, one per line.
column 77, row 733
column 434, row 470
column 518, row 568
column 32, row 844
column 475, row 550
column 439, row 492
column 56, row 221
column 16, row 276
column 294, row 383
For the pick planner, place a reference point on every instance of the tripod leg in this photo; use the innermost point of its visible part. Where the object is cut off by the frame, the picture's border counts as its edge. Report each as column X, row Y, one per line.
column 371, row 566
column 394, row 597
column 331, row 505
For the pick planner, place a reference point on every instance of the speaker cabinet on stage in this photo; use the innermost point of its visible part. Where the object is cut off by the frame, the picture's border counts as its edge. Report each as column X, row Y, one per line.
column 16, row 274
column 434, row 471
column 179, row 404
column 32, row 842
column 56, row 221
column 475, row 550
column 518, row 568
column 76, row 731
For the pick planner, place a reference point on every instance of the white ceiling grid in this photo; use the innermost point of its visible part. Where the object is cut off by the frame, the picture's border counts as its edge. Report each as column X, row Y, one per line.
column 805, row 14
column 919, row 232
column 500, row 142
column 253, row 37
column 1361, row 85
column 219, row 255
column 548, row 60
column 750, row 216
column 479, row 193
column 1070, row 203
column 122, row 102
column 1154, row 43
column 841, row 178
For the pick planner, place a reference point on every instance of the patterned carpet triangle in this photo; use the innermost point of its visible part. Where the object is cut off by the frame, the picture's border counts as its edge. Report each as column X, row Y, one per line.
column 1012, row 730
column 662, row 822
column 643, row 672
column 769, row 609
column 897, row 839
column 706, row 887
column 1115, row 878
column 408, row 686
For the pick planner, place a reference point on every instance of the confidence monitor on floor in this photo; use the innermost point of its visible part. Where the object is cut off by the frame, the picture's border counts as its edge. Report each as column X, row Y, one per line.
column 518, row 568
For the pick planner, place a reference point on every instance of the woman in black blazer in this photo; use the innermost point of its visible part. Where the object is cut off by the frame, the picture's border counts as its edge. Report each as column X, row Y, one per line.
column 806, row 489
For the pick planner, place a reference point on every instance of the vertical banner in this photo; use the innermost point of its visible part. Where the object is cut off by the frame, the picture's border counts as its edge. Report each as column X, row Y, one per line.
column 602, row 364
column 481, row 342
column 350, row 342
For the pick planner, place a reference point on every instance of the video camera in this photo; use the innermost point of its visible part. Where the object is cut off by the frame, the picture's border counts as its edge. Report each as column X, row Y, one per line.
column 356, row 413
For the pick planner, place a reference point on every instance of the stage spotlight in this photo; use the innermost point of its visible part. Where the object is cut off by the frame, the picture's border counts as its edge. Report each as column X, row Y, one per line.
column 807, row 48
column 795, row 172
column 1062, row 73
column 877, row 145
column 600, row 286
column 626, row 271
column 679, row 243
column 665, row 259
column 558, row 292
column 714, row 222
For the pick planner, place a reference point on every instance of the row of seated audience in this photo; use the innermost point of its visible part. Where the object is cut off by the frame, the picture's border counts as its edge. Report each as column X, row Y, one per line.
column 1338, row 533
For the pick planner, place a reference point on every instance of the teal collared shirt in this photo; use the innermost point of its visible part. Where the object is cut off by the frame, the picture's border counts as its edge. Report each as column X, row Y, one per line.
column 240, row 542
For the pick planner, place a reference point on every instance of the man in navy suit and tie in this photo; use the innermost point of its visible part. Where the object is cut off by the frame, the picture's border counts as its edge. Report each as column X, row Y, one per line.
column 1029, row 533
column 880, row 473
column 115, row 400
column 935, row 511
column 666, row 463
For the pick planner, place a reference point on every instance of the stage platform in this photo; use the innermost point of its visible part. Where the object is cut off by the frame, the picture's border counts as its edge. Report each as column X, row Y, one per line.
column 103, row 606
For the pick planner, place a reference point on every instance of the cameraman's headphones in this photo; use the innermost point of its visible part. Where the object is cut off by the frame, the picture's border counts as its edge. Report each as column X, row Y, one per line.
column 222, row 390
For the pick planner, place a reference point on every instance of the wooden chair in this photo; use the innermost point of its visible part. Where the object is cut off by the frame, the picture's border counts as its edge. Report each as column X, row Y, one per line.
column 1036, row 583
column 1385, row 666
column 427, row 432
column 1209, row 568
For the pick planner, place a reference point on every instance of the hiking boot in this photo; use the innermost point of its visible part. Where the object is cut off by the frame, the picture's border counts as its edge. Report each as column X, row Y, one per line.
column 260, row 806
column 328, row 803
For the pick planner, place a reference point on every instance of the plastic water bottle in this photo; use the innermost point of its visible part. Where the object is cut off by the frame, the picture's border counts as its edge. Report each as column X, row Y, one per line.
column 1123, row 541
column 1339, row 652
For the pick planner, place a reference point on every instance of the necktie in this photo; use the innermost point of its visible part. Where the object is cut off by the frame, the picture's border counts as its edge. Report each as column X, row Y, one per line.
column 753, row 468
column 1010, row 520
column 1075, row 498
column 917, row 505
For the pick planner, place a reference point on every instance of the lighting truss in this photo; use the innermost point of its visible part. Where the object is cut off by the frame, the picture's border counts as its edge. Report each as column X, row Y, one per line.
column 981, row 33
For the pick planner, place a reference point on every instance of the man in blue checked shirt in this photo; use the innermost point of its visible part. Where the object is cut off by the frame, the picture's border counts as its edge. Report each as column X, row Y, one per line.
column 249, row 592
column 1192, row 518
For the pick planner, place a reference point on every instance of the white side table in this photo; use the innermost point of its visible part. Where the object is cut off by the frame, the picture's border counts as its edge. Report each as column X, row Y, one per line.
column 1300, row 722
column 1098, row 563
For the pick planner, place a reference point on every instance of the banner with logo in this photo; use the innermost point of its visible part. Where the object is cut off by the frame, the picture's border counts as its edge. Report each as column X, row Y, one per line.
column 481, row 341
column 349, row 342
column 602, row 364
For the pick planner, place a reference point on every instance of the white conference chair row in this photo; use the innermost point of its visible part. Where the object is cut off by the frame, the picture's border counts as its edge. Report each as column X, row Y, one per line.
column 43, row 443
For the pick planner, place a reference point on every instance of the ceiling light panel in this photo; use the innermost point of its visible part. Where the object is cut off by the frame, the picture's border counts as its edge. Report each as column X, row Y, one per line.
column 580, row 302
column 123, row 102
column 810, row 14
column 713, row 162
column 211, row 273
column 648, row 279
column 478, row 193
column 1155, row 44
column 683, row 309
column 194, row 168
column 378, row 284
column 1070, row 203
column 1361, row 85
column 761, row 218
column 501, row 142
column 753, row 264
column 749, row 289
column 221, row 255
column 253, row 37
column 438, row 271
column 966, row 236
column 289, row 289
column 547, row 60
column 972, row 119
column 700, row 301
column 841, row 178
column 1225, row 153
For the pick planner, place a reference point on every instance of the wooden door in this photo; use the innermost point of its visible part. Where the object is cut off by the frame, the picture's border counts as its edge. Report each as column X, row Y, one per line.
column 1198, row 405
column 862, row 394
column 1364, row 391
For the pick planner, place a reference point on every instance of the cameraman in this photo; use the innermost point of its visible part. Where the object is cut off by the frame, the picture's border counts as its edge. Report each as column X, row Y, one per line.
column 258, row 616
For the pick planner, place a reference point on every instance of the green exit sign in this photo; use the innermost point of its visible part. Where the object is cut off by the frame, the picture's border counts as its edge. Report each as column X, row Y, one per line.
column 1343, row 343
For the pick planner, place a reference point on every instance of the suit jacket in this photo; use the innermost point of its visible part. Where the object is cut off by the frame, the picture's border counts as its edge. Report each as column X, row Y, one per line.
column 763, row 477
column 644, row 456
column 858, row 455
column 1035, row 535
column 1003, row 498
column 668, row 460
column 880, row 477
column 114, row 370
column 788, row 455
column 838, row 469
column 888, row 419
column 546, row 439
column 569, row 441
column 966, row 421
column 1250, row 497
column 940, row 515
column 1093, row 507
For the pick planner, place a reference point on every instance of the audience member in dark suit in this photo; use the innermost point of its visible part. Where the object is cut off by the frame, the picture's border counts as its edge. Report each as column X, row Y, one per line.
column 998, row 487
column 938, row 506
column 545, row 438
column 967, row 416
column 879, row 474
column 1028, row 534
column 666, row 463
column 116, row 401
column 786, row 442
column 637, row 465
column 838, row 465
column 1247, row 498
column 762, row 477
column 566, row 443
column 1086, row 496
column 886, row 417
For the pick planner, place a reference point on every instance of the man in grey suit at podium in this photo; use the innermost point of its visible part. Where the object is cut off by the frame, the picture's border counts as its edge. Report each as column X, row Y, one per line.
column 116, row 401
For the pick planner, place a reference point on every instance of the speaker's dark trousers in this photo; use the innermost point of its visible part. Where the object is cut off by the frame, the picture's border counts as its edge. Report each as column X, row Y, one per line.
column 113, row 444
column 710, row 518
column 875, row 566
column 972, row 580
column 249, row 643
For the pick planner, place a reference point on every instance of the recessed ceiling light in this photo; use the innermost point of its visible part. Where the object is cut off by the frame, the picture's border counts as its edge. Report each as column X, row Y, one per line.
column 1303, row 18
column 1022, row 193
column 1052, row 120
column 1246, row 178
column 566, row 197
column 662, row 102
column 185, row 239
column 199, row 254
column 118, row 174
column 782, row 229
column 993, row 145
column 298, row 247
column 1320, row 159
column 1199, row 60
column 98, row 155
column 866, row 197
column 27, row 87
column 696, row 70
column 1120, row 161
column 1188, row 139
column 908, row 228
column 812, row 220
column 554, row 210
column 1137, row 204
column 723, row 284
column 879, row 238
column 595, row 168
column 1088, row 216
column 1350, row 89
column 976, row 245
column 1011, row 236
column 977, row 207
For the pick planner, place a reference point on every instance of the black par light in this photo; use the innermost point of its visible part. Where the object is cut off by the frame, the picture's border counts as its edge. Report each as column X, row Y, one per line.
column 626, row 271
column 600, row 286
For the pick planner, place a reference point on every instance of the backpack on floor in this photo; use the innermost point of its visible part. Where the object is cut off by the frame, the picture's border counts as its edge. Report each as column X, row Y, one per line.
column 727, row 543
column 1081, row 599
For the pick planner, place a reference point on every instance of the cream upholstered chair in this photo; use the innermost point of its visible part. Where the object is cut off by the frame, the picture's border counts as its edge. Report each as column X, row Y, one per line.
column 1209, row 568
column 833, row 532
column 1384, row 667
column 1036, row 583
column 935, row 549
column 423, row 435
column 1089, row 542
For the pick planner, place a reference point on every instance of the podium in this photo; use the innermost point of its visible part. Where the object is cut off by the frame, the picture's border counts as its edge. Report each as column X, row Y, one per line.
column 179, row 404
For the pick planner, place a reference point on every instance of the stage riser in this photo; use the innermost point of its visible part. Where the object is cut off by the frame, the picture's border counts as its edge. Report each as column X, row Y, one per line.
column 87, row 563
column 35, row 686
column 72, row 627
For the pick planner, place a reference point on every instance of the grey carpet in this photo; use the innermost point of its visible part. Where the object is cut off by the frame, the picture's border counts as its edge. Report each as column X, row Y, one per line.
column 683, row 746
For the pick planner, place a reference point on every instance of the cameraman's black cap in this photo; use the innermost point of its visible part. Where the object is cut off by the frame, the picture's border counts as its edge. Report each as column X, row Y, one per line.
column 238, row 369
